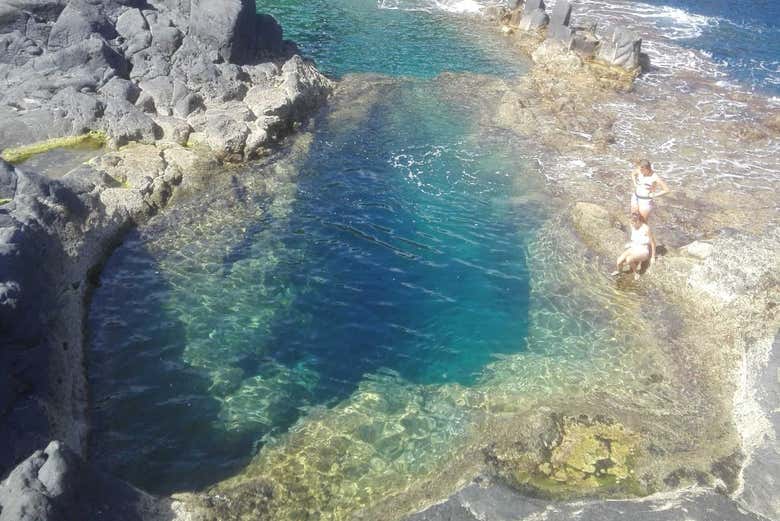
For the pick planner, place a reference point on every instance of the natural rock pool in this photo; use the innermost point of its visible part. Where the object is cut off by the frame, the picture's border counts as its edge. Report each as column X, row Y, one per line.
column 396, row 247
column 359, row 315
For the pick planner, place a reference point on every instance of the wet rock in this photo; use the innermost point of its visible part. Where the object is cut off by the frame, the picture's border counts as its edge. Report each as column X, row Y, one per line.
column 621, row 47
column 494, row 501
column 576, row 457
column 599, row 228
column 698, row 249
column 554, row 54
column 727, row 276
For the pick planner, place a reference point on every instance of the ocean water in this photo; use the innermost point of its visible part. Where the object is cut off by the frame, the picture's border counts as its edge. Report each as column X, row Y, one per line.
column 737, row 42
column 343, row 317
column 743, row 38
column 390, row 246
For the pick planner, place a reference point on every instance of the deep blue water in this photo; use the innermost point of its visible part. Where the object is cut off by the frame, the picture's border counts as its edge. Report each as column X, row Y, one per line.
column 743, row 36
column 395, row 247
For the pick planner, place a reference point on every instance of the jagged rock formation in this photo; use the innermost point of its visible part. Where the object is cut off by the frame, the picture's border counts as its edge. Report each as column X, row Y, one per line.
column 174, row 70
column 618, row 47
column 534, row 16
column 152, row 75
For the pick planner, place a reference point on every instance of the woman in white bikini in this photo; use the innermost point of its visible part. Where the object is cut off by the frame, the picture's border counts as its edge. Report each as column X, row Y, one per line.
column 646, row 189
column 640, row 249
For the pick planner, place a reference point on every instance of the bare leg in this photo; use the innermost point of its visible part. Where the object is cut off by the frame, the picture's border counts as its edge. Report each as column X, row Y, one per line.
column 645, row 209
column 619, row 264
column 634, row 266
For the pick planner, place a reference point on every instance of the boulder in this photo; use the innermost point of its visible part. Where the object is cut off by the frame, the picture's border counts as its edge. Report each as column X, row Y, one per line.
column 92, row 57
column 166, row 40
column 130, row 23
column 174, row 130
column 123, row 122
column 234, row 30
column 559, row 23
column 534, row 15
column 148, row 64
column 620, row 47
column 534, row 20
column 120, row 88
column 188, row 104
column 54, row 484
column 78, row 21
column 132, row 26
column 226, row 137
column 82, row 111
column 160, row 89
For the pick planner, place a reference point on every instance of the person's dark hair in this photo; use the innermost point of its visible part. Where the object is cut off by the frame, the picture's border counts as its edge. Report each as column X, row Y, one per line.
column 645, row 164
column 636, row 216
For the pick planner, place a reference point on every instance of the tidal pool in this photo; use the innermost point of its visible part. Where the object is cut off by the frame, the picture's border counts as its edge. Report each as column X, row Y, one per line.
column 352, row 314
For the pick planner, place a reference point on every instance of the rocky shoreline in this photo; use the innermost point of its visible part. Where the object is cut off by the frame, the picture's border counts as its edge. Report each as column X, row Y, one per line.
column 718, row 268
column 565, row 107
column 173, row 89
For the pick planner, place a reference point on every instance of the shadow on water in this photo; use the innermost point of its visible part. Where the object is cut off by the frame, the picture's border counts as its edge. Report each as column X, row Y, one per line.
column 154, row 419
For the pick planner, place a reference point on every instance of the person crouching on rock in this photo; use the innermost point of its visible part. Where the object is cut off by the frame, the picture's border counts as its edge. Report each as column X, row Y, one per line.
column 647, row 187
column 640, row 249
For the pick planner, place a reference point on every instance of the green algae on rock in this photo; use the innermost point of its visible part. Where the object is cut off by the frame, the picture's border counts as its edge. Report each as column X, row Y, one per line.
column 581, row 456
column 20, row 154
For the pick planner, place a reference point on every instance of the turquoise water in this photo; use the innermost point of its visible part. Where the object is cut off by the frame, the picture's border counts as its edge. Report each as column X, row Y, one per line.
column 394, row 244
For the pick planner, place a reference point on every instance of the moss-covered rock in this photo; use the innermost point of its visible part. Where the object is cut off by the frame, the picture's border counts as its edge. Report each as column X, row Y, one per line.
column 20, row 154
column 587, row 457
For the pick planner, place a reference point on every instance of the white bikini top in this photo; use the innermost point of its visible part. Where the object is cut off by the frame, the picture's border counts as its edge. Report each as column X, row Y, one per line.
column 641, row 235
column 644, row 184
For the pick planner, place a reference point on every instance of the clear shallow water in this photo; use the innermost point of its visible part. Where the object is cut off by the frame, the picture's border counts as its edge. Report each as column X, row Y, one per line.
column 393, row 245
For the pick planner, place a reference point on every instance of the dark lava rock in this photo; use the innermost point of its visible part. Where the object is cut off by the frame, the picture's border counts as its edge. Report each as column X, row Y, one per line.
column 56, row 485
column 233, row 29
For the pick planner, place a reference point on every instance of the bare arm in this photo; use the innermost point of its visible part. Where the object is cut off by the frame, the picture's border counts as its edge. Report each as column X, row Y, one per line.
column 634, row 173
column 664, row 188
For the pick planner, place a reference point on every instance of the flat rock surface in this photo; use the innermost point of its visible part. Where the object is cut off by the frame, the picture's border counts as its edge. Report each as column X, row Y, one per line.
column 495, row 502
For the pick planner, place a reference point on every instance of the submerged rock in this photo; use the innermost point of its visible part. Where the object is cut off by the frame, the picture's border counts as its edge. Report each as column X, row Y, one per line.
column 578, row 457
